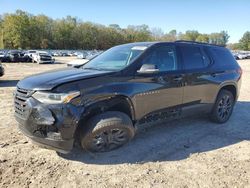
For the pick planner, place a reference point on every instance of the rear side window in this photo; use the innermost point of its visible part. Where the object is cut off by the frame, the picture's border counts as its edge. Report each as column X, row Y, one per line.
column 193, row 57
column 222, row 56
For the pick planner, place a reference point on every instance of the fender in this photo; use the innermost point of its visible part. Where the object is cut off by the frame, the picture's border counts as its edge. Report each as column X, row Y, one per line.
column 228, row 83
column 109, row 102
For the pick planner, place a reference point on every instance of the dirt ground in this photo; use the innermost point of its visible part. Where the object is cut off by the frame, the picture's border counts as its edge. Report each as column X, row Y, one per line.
column 190, row 152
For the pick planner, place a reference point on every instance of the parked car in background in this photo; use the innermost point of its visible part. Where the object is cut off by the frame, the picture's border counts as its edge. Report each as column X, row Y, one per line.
column 42, row 57
column 236, row 56
column 64, row 54
column 71, row 54
column 2, row 54
column 30, row 53
column 82, row 55
column 1, row 70
column 56, row 54
column 92, row 55
column 77, row 63
column 16, row 56
column 241, row 55
column 101, row 103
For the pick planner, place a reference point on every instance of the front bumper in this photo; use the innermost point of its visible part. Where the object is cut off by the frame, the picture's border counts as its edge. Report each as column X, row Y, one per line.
column 51, row 126
column 46, row 61
column 62, row 146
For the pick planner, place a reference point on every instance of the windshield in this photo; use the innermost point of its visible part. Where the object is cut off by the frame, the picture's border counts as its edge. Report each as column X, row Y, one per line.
column 115, row 58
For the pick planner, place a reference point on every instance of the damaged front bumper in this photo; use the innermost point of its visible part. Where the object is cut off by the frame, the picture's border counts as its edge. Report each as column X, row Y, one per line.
column 52, row 126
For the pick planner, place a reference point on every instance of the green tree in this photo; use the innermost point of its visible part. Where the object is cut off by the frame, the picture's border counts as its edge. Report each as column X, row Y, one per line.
column 203, row 38
column 171, row 36
column 138, row 33
column 16, row 29
column 1, row 33
column 245, row 41
column 157, row 33
column 23, row 30
column 62, row 33
column 190, row 35
column 219, row 38
column 234, row 46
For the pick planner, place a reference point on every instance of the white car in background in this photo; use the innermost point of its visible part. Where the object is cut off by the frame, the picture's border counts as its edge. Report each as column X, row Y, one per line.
column 2, row 54
column 42, row 57
column 93, row 55
column 82, row 55
column 77, row 63
column 242, row 55
column 30, row 53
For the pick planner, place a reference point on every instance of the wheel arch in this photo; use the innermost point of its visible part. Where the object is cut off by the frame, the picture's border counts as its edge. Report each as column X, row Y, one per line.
column 119, row 103
column 229, row 86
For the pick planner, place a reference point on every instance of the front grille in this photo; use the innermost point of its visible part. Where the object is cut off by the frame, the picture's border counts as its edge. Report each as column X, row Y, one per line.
column 21, row 96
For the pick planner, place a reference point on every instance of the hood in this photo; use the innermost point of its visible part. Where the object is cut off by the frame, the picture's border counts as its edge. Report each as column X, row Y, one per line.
column 49, row 80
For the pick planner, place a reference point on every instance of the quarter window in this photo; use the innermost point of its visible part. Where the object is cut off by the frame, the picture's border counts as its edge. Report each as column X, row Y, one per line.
column 222, row 56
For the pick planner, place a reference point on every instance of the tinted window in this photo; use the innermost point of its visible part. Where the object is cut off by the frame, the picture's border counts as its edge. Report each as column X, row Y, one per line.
column 193, row 57
column 164, row 58
column 222, row 56
column 207, row 60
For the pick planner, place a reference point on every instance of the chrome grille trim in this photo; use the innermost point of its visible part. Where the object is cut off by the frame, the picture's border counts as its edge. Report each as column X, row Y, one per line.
column 20, row 98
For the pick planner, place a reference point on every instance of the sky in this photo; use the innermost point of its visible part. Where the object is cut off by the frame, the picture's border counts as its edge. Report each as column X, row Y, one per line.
column 206, row 16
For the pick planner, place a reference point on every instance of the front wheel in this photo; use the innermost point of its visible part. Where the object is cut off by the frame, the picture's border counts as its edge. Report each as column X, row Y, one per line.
column 223, row 107
column 107, row 131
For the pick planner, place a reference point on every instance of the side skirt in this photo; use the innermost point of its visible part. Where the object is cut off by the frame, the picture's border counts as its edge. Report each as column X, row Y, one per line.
column 186, row 110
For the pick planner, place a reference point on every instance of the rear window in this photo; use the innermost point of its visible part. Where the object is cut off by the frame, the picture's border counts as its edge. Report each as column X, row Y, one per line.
column 222, row 56
column 193, row 57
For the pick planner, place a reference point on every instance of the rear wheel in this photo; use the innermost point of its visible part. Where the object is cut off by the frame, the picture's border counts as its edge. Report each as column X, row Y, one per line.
column 107, row 131
column 223, row 107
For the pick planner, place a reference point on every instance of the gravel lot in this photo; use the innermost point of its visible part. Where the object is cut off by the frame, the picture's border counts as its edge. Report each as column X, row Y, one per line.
column 187, row 153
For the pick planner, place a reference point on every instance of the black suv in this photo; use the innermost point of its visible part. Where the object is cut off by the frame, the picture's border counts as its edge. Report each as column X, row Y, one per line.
column 15, row 56
column 102, row 102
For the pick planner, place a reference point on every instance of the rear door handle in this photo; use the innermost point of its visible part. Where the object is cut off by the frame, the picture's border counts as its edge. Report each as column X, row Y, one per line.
column 214, row 74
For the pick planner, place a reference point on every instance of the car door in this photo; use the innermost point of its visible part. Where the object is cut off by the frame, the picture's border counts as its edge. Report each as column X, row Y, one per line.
column 197, row 87
column 162, row 90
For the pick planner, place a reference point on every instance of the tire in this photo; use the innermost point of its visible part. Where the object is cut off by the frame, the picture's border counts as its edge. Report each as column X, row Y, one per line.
column 223, row 107
column 107, row 131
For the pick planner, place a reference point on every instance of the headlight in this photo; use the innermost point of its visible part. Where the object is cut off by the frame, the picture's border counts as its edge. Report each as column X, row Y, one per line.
column 55, row 98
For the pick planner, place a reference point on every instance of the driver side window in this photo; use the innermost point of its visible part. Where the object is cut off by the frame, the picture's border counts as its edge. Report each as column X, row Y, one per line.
column 164, row 58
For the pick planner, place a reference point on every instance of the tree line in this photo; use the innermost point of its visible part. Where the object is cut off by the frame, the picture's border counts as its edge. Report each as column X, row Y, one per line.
column 243, row 44
column 22, row 30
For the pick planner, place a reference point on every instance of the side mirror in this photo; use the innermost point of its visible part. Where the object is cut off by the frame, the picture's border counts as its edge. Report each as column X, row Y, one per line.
column 148, row 69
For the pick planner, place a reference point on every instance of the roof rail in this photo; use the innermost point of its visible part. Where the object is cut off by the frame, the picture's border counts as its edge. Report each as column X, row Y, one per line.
column 194, row 42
